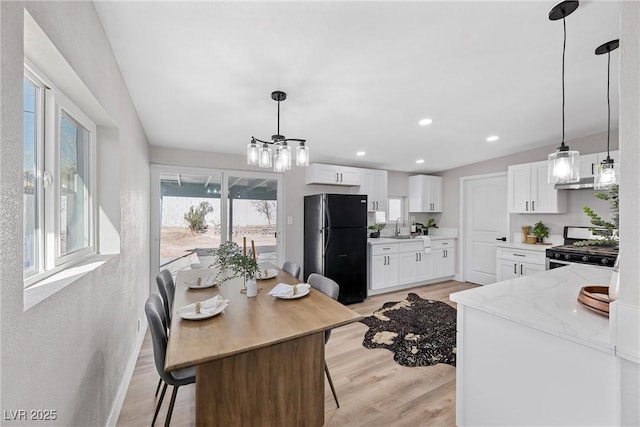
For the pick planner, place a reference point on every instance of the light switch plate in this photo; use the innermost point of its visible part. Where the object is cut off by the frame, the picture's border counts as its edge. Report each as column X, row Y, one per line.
column 289, row 220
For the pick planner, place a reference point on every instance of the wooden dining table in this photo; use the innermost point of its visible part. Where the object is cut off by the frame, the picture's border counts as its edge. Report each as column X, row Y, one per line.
column 261, row 361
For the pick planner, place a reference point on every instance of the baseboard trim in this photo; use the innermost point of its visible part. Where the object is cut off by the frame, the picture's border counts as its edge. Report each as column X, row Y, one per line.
column 126, row 379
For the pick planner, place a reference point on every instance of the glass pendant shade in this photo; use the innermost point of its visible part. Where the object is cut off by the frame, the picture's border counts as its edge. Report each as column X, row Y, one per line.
column 606, row 175
column 285, row 157
column 265, row 156
column 563, row 166
column 252, row 153
column 302, row 155
column 278, row 164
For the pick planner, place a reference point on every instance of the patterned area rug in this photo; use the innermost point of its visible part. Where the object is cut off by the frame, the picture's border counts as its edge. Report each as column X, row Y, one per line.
column 419, row 332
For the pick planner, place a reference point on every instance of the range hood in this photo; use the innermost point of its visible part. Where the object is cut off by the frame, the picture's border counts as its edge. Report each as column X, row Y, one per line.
column 582, row 184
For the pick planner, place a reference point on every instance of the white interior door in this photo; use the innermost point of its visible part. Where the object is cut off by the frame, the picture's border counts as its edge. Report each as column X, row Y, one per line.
column 484, row 213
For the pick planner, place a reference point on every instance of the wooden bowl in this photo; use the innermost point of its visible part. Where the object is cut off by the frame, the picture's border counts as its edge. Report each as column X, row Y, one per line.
column 595, row 298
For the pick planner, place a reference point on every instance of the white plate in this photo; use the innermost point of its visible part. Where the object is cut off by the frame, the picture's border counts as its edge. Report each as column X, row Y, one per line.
column 271, row 273
column 206, row 282
column 188, row 312
column 298, row 295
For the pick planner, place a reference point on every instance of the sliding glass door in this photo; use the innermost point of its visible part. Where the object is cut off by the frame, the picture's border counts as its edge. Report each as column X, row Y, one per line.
column 196, row 209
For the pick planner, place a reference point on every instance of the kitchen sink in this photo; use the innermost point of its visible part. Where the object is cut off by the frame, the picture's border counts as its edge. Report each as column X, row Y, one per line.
column 401, row 237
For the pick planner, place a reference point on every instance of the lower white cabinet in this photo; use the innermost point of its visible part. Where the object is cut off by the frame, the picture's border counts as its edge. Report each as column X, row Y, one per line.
column 444, row 257
column 406, row 263
column 515, row 262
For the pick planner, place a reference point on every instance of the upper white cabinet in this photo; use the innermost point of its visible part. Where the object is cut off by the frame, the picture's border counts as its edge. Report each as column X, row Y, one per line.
column 374, row 185
column 589, row 162
column 318, row 173
column 529, row 191
column 425, row 193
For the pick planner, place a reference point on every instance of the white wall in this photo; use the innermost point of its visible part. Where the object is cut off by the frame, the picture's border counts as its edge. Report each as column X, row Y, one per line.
column 627, row 308
column 70, row 351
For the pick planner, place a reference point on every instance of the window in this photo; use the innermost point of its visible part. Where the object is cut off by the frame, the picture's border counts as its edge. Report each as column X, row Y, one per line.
column 59, row 180
column 395, row 208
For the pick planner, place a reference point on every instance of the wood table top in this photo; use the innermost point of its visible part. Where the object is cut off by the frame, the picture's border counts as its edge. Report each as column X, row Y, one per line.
column 247, row 323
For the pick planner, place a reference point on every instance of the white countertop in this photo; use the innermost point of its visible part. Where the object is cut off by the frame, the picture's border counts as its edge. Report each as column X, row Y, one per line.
column 547, row 301
column 529, row 247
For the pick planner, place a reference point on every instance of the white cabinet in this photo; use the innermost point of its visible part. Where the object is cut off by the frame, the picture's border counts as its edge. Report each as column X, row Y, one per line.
column 318, row 173
column 374, row 185
column 425, row 193
column 529, row 191
column 589, row 162
column 383, row 266
column 444, row 257
column 512, row 263
column 407, row 263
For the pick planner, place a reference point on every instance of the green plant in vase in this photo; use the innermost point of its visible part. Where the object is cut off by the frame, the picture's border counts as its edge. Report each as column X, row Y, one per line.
column 243, row 265
column 224, row 257
column 607, row 231
column 376, row 228
column 540, row 231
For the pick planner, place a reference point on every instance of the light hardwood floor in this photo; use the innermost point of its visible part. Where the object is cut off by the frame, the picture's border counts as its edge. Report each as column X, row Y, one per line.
column 372, row 389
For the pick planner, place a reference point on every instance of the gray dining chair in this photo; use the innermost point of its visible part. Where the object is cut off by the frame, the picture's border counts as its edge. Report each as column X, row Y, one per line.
column 167, row 289
column 157, row 301
column 332, row 290
column 153, row 309
column 292, row 268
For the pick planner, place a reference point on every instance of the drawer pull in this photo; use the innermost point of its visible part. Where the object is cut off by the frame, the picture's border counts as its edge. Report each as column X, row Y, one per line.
column 521, row 255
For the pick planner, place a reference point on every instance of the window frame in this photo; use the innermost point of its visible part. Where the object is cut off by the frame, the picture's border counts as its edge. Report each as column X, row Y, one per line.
column 52, row 103
column 39, row 158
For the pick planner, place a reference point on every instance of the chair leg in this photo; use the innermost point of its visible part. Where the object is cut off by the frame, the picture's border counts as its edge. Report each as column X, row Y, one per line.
column 164, row 389
column 333, row 390
column 173, row 401
column 158, row 388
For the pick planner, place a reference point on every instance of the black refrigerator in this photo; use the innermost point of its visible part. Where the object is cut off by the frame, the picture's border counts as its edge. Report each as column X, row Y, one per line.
column 335, row 242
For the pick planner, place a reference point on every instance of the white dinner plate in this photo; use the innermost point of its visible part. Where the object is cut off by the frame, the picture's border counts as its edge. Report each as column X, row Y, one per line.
column 206, row 282
column 188, row 312
column 298, row 295
column 271, row 273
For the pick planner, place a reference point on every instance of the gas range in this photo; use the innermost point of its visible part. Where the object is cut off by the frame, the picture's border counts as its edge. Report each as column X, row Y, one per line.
column 559, row 256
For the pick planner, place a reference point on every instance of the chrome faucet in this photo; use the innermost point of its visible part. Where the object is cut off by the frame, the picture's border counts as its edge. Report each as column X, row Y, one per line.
column 396, row 232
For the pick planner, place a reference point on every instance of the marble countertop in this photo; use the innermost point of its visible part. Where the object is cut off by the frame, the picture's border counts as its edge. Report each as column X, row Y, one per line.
column 547, row 301
column 529, row 247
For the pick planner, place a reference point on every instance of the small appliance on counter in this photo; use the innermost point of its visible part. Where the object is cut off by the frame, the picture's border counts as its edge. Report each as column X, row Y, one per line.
column 600, row 256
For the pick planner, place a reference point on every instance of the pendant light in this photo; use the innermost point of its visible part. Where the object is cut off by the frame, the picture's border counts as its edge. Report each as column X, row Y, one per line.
column 262, row 156
column 607, row 171
column 563, row 164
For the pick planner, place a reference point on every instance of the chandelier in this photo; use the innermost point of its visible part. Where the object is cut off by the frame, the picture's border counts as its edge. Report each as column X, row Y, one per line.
column 563, row 163
column 260, row 153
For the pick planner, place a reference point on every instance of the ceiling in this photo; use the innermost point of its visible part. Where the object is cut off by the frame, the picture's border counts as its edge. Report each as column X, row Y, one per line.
column 360, row 75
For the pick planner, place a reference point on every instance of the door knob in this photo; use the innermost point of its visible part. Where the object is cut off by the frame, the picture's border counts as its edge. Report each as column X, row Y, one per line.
column 504, row 239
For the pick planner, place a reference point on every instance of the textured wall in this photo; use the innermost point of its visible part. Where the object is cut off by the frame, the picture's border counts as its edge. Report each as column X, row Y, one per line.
column 628, row 311
column 69, row 352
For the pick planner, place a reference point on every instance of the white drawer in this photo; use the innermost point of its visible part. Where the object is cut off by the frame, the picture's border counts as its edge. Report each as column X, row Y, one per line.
column 535, row 257
column 445, row 243
column 411, row 246
column 384, row 249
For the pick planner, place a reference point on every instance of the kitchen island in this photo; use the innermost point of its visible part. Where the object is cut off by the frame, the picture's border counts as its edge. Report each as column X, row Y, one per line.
column 529, row 354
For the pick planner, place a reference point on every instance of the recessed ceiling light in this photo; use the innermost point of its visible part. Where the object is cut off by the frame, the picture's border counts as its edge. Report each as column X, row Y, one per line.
column 420, row 161
column 425, row 122
column 360, row 153
column 493, row 138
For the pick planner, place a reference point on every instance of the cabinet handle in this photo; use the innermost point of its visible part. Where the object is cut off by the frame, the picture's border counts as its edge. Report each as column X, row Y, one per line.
column 388, row 260
column 592, row 169
column 519, row 255
column 521, row 269
column 515, row 268
column 416, row 256
column 526, row 206
column 533, row 206
column 420, row 253
column 341, row 177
